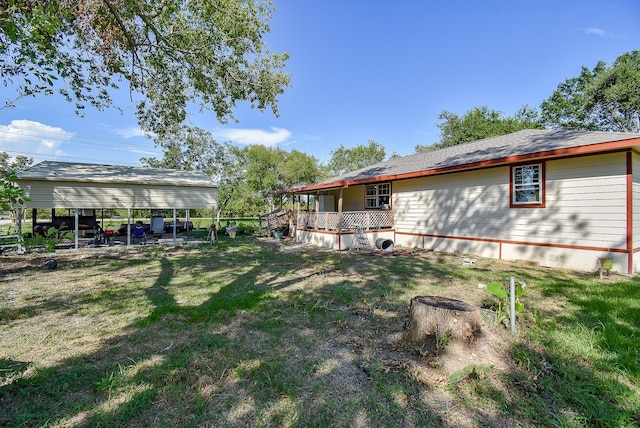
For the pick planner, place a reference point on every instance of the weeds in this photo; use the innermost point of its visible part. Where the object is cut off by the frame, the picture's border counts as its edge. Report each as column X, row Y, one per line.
column 240, row 334
column 502, row 309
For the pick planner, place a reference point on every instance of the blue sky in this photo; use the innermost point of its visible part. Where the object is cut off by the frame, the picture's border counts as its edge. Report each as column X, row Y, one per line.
column 367, row 70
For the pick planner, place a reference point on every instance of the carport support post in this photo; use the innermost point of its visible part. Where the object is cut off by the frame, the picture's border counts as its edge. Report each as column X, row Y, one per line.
column 175, row 220
column 128, row 226
column 77, row 232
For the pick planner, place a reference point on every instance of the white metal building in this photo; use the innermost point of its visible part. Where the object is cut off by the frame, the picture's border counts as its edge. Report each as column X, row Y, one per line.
column 82, row 186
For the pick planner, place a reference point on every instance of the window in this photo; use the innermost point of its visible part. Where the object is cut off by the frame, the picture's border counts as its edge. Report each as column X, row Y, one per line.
column 377, row 194
column 527, row 186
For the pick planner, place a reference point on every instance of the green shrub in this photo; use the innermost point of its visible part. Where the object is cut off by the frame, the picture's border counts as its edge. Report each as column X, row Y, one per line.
column 248, row 228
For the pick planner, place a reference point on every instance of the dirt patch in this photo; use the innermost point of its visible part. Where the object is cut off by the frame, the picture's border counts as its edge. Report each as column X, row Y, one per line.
column 324, row 326
column 488, row 350
column 384, row 342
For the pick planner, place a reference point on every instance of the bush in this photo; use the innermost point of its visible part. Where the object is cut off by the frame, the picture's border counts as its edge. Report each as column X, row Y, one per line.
column 247, row 228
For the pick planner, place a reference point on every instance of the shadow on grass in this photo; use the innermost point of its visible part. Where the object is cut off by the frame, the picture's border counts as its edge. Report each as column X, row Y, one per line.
column 249, row 356
column 581, row 368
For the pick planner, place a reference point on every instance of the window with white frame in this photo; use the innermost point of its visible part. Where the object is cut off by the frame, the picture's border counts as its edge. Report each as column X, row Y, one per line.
column 377, row 195
column 527, row 185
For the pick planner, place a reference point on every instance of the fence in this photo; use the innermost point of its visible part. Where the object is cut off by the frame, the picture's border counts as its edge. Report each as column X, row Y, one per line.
column 348, row 220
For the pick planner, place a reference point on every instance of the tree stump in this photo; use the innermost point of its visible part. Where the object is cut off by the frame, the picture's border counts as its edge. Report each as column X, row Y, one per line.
column 434, row 321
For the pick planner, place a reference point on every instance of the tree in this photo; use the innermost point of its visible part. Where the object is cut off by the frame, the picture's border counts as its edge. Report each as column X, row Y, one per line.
column 345, row 159
column 606, row 98
column 270, row 169
column 247, row 177
column 175, row 53
column 10, row 193
column 479, row 123
column 195, row 149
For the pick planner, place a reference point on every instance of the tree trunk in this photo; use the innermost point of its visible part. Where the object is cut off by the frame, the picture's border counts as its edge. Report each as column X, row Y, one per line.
column 434, row 321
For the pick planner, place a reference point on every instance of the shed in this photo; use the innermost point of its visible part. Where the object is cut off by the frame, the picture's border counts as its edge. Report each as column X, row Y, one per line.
column 84, row 186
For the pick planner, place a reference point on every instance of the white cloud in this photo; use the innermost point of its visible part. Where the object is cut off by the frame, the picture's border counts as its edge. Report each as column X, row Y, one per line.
column 131, row 132
column 32, row 139
column 599, row 32
column 255, row 136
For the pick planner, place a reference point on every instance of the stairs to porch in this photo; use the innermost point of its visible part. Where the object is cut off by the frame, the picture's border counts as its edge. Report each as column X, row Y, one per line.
column 275, row 220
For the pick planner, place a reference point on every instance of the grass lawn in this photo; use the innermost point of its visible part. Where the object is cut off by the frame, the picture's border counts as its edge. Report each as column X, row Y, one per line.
column 254, row 332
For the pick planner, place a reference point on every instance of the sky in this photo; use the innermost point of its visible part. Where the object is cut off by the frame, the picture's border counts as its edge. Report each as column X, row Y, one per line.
column 365, row 70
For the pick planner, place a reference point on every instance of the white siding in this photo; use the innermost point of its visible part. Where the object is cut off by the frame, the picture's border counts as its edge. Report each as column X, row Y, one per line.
column 586, row 202
column 464, row 204
column 636, row 207
column 96, row 195
column 585, row 207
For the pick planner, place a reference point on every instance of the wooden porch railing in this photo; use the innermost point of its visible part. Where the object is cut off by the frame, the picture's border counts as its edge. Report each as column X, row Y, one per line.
column 273, row 220
column 350, row 220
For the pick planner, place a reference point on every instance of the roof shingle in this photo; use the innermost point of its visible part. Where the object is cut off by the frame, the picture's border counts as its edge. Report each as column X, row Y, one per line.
column 504, row 147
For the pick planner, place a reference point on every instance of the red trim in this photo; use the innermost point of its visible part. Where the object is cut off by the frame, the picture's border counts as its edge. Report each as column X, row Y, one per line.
column 568, row 152
column 543, row 186
column 533, row 244
column 324, row 232
column 630, row 211
column 497, row 241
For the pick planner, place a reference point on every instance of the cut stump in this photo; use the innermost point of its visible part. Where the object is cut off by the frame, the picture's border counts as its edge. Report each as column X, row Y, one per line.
column 434, row 321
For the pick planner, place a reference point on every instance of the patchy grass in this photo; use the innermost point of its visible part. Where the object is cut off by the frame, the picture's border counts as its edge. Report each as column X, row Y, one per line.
column 254, row 332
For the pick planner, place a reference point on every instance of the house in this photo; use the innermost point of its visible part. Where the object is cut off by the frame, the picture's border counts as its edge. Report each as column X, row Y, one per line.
column 84, row 189
column 559, row 198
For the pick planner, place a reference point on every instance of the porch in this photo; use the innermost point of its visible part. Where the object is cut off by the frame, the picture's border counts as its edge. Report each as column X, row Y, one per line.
column 347, row 221
column 337, row 230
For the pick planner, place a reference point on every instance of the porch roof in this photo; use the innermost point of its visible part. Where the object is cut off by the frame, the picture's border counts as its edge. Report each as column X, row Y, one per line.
column 519, row 146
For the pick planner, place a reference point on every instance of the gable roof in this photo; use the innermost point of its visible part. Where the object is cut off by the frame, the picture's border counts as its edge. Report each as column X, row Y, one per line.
column 113, row 174
column 519, row 146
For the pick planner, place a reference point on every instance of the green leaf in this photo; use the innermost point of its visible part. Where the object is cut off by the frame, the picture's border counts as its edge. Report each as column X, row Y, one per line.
column 519, row 291
column 496, row 289
column 519, row 307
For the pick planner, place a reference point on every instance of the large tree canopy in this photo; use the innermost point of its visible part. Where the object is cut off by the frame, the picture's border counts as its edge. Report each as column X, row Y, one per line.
column 479, row 123
column 345, row 159
column 606, row 98
column 247, row 176
column 174, row 53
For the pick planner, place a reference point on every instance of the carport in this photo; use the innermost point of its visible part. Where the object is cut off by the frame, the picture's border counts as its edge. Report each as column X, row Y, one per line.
column 82, row 186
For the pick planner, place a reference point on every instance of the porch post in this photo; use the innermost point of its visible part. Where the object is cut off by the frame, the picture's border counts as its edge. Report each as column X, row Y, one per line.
column 317, row 204
column 340, row 211
column 293, row 217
